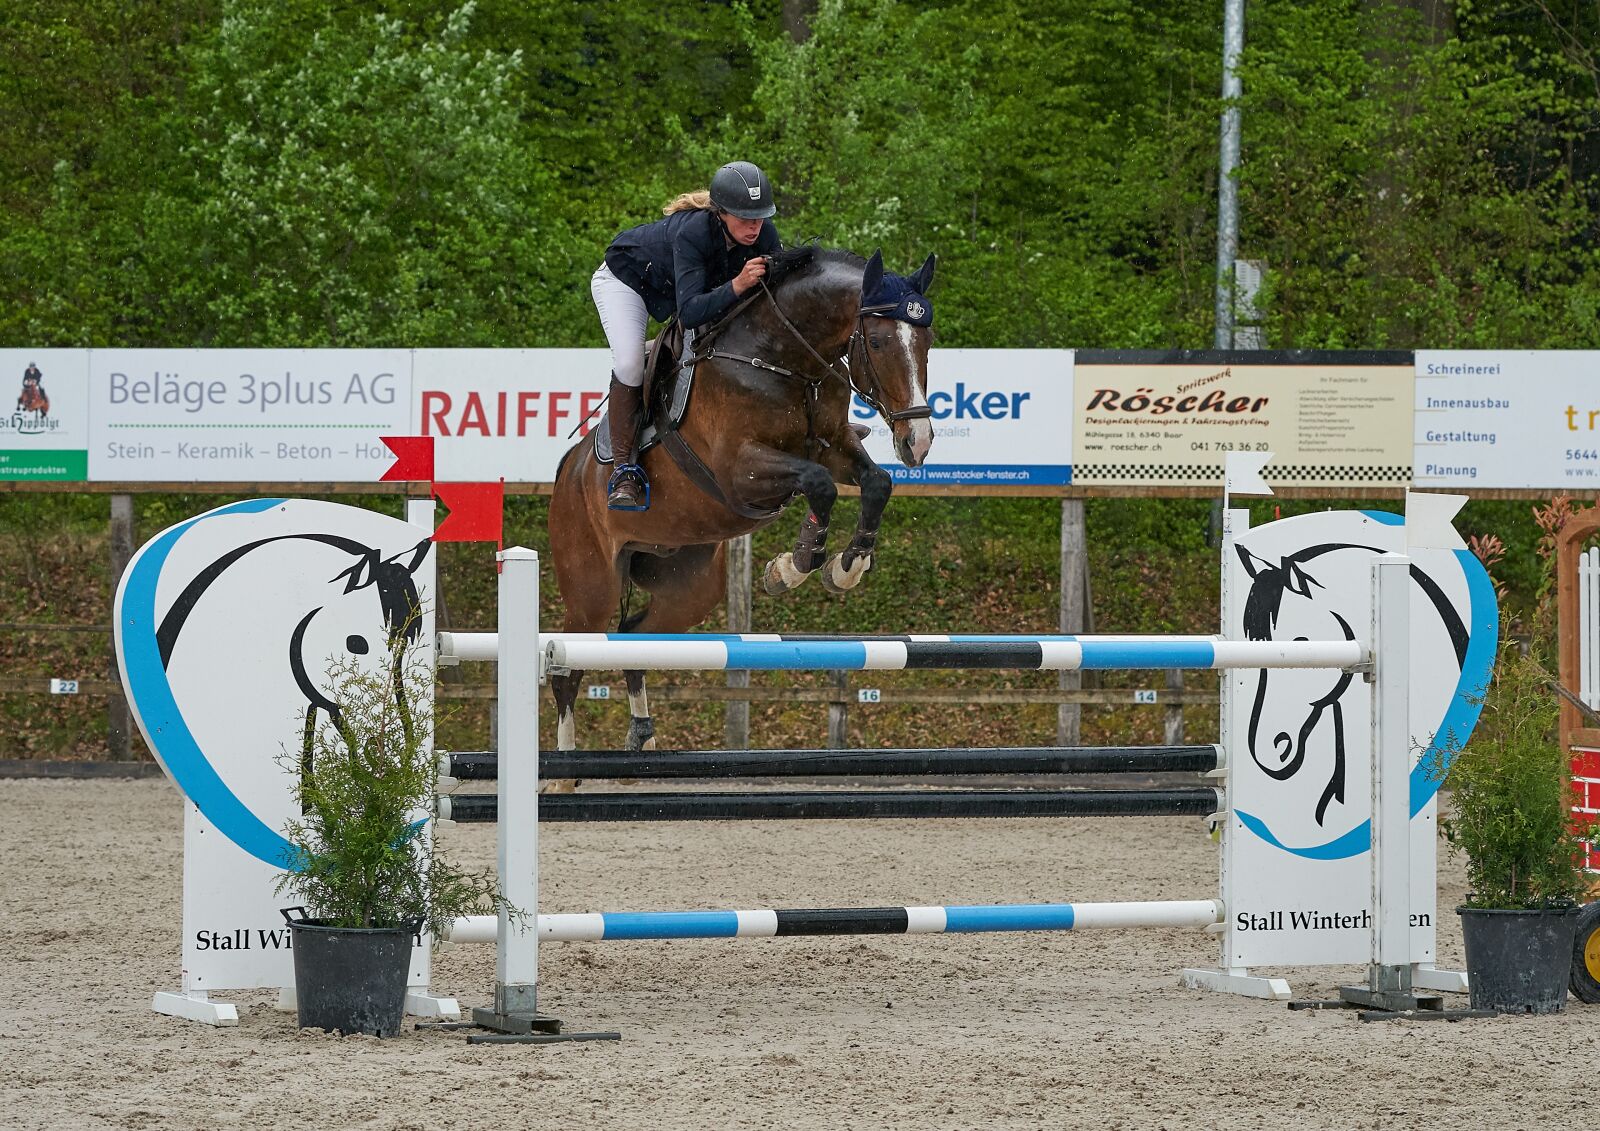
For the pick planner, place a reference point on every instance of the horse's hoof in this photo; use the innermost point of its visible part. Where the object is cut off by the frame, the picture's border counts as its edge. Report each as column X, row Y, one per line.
column 838, row 580
column 782, row 575
column 559, row 785
column 641, row 735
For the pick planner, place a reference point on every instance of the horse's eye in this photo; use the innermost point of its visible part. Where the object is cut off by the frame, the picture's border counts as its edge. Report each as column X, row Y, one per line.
column 355, row 645
column 876, row 344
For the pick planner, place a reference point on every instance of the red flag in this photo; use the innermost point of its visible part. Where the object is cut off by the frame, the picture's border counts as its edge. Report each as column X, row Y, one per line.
column 475, row 512
column 413, row 459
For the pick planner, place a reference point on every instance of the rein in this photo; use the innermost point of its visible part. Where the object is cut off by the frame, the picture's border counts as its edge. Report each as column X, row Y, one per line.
column 873, row 396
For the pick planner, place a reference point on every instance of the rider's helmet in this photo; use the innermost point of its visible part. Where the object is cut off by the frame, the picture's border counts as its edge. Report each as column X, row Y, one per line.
column 740, row 189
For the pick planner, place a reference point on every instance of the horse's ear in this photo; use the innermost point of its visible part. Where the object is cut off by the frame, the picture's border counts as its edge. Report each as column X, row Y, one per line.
column 362, row 574
column 873, row 279
column 1252, row 564
column 923, row 279
column 419, row 554
column 1299, row 580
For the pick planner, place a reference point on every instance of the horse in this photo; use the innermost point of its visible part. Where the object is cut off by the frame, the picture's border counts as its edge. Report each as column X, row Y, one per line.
column 767, row 421
column 33, row 399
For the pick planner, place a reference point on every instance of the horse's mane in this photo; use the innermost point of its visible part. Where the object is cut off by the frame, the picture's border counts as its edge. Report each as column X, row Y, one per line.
column 806, row 261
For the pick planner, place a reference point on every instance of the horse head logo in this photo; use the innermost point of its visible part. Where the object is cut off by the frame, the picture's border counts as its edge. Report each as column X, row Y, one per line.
column 221, row 673
column 1309, row 579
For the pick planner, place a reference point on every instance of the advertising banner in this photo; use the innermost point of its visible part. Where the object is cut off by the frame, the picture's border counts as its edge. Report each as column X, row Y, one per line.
column 1508, row 419
column 262, row 415
column 505, row 413
column 999, row 419
column 44, row 414
column 1151, row 419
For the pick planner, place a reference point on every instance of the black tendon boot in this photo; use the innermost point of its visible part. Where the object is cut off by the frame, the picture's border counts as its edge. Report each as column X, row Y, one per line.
column 628, row 489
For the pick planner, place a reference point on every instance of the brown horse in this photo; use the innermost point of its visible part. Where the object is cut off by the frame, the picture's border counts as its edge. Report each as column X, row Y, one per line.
column 768, row 421
column 33, row 398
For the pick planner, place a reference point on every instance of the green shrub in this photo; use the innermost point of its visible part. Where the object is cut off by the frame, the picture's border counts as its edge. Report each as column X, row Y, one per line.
column 363, row 782
column 1511, row 796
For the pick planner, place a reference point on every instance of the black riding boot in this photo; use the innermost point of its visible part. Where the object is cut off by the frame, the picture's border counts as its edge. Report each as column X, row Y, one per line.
column 628, row 489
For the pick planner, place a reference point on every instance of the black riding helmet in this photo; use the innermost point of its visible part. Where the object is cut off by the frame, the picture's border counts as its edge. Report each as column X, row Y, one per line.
column 740, row 189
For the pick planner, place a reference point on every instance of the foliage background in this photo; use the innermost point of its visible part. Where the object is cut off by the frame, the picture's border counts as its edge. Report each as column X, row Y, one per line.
column 1415, row 173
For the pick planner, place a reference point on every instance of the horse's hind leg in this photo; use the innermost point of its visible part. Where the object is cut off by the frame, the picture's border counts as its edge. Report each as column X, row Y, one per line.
column 565, row 690
column 683, row 589
column 641, row 728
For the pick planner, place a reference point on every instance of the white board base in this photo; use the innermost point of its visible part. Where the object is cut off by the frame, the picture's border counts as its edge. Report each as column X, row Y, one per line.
column 195, row 1005
column 1237, row 980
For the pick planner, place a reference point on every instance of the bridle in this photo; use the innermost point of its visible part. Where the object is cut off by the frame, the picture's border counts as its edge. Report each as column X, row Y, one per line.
column 872, row 394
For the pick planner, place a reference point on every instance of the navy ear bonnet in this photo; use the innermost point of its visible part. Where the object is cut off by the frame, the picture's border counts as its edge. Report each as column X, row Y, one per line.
column 896, row 299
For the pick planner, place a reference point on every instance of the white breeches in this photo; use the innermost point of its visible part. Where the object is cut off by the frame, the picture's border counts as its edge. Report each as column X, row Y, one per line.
column 624, row 318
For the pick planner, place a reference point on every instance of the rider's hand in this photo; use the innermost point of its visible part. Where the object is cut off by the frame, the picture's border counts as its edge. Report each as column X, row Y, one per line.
column 750, row 276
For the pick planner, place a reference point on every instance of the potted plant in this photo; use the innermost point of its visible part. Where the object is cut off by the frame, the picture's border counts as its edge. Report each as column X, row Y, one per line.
column 1510, row 815
column 366, row 872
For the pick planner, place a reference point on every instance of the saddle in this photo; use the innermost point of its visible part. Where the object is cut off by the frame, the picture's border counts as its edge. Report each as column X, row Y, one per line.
column 667, row 383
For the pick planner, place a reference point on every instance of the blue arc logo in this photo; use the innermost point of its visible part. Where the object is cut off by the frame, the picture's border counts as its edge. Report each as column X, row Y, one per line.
column 163, row 721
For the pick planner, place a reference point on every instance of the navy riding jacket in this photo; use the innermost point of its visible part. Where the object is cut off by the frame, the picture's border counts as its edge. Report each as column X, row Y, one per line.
column 682, row 262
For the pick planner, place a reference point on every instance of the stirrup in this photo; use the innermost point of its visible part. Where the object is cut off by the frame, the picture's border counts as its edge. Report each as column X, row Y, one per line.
column 622, row 471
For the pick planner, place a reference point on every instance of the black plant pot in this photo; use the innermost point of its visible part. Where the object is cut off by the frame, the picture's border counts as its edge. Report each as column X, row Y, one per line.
column 1518, row 961
column 351, row 979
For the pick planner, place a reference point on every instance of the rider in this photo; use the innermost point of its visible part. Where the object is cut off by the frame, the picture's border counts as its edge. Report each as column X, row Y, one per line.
column 707, row 253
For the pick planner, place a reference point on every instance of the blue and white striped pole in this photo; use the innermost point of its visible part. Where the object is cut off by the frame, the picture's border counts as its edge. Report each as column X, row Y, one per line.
column 608, row 926
column 716, row 653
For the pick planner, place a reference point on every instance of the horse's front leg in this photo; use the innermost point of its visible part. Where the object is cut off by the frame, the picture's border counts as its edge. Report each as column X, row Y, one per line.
column 772, row 474
column 850, row 463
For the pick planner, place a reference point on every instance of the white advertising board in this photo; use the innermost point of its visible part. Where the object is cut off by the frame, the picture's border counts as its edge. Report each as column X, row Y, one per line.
column 260, row 415
column 1298, row 855
column 1000, row 418
column 44, row 414
column 505, row 414
column 1523, row 419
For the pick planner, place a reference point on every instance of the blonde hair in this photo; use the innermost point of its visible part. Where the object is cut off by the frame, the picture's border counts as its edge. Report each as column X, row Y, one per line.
column 700, row 198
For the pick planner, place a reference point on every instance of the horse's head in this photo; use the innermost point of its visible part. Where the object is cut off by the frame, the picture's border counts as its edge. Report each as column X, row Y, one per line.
column 391, row 581
column 879, row 323
column 888, row 357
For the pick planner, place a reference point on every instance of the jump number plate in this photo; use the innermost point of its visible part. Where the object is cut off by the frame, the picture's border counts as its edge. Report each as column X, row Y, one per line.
column 868, row 695
column 63, row 687
column 599, row 691
column 1144, row 696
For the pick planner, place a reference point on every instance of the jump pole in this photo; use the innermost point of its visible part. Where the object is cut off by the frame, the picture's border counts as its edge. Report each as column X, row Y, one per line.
column 456, row 766
column 981, row 919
